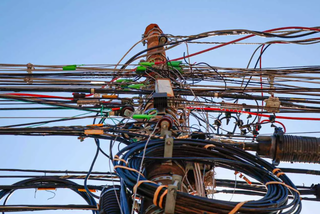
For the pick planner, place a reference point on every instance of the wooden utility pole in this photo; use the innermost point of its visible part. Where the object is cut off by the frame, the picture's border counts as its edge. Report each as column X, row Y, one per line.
column 164, row 173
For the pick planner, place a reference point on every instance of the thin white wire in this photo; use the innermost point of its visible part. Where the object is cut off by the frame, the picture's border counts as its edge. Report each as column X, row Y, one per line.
column 140, row 169
column 114, row 187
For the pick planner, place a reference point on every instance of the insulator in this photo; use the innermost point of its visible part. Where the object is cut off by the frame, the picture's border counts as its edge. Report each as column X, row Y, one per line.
column 290, row 148
column 109, row 200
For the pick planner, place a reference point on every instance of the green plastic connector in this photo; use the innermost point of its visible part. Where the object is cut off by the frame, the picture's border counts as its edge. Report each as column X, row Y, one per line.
column 136, row 86
column 142, row 116
column 123, row 80
column 141, row 69
column 146, row 64
column 175, row 63
column 69, row 67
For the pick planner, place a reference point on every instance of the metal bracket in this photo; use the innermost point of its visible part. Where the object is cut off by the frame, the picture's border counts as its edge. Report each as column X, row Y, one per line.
column 272, row 104
column 168, row 144
column 29, row 70
column 172, row 194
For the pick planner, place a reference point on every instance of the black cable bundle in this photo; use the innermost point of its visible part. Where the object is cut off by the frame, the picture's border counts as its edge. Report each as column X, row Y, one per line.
column 109, row 200
column 218, row 155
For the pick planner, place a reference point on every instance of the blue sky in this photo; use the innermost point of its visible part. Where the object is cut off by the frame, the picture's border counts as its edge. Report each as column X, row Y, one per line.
column 96, row 31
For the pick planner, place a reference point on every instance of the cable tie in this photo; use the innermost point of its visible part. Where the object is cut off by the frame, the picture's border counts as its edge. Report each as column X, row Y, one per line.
column 286, row 185
column 156, row 193
column 98, row 125
column 247, row 180
column 209, row 145
column 275, row 170
column 120, row 159
column 161, row 198
column 280, row 173
column 124, row 167
column 135, row 188
column 237, row 207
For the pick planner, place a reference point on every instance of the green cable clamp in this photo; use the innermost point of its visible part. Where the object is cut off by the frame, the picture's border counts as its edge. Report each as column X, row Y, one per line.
column 142, row 116
column 143, row 66
column 69, row 67
column 173, row 64
column 176, row 65
column 123, row 80
column 136, row 86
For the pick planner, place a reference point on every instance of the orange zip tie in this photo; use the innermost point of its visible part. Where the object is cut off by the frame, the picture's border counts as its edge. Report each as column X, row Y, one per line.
column 183, row 137
column 247, row 180
column 209, row 145
column 286, row 185
column 93, row 131
column 280, row 173
column 237, row 207
column 135, row 188
column 161, row 198
column 116, row 156
column 46, row 188
column 109, row 96
column 236, row 172
column 156, row 193
column 84, row 190
column 120, row 159
column 99, row 124
column 275, row 170
column 124, row 167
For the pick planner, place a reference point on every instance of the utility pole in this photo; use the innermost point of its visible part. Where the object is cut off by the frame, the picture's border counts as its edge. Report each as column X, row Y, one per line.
column 169, row 173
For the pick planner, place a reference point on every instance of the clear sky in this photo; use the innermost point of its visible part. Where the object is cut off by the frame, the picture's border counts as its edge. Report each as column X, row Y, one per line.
column 97, row 31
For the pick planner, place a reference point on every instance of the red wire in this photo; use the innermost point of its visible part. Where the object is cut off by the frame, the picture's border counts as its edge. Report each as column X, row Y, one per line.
column 39, row 95
column 240, row 39
column 251, row 113
column 284, row 128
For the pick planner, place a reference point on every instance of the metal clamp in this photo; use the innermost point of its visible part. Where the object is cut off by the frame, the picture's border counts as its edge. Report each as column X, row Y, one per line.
column 28, row 79
column 172, row 194
column 168, row 143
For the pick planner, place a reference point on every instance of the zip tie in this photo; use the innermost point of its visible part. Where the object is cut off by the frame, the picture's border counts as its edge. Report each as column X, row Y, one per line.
column 209, row 145
column 280, row 173
column 124, row 167
column 98, row 125
column 120, row 159
column 237, row 207
column 135, row 188
column 183, row 137
column 161, row 198
column 247, row 180
column 116, row 156
column 275, row 170
column 156, row 193
column 286, row 185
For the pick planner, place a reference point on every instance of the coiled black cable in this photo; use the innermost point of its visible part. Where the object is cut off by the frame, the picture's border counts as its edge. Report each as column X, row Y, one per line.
column 220, row 155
